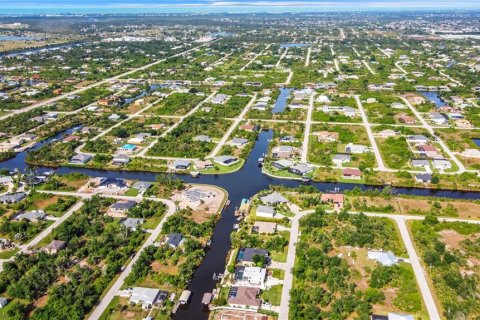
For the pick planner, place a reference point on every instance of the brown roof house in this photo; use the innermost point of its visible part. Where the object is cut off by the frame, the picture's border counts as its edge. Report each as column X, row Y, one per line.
column 351, row 174
column 244, row 297
column 336, row 198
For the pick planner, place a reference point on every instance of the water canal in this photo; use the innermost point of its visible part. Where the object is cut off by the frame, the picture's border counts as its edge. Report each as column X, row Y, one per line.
column 241, row 184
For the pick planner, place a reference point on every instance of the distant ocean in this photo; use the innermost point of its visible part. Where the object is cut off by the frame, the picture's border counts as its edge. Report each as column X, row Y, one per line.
column 50, row 10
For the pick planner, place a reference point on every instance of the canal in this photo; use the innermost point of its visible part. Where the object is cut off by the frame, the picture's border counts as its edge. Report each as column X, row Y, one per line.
column 241, row 184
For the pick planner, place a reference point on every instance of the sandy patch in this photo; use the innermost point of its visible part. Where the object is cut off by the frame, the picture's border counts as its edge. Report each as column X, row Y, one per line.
column 451, row 238
column 208, row 202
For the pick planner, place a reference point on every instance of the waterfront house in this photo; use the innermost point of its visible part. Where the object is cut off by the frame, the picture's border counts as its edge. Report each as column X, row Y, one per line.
column 265, row 212
column 80, row 158
column 245, row 298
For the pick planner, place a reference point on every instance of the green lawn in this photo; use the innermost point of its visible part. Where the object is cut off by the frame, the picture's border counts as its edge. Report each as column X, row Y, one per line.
column 8, row 254
column 131, row 192
column 272, row 295
column 224, row 169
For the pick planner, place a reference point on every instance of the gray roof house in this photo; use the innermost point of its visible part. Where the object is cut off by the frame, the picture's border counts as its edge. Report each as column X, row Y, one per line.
column 174, row 240
column 80, row 158
column 6, row 180
column 423, row 177
column 12, row 197
column 120, row 159
column 202, row 138
column 341, row 158
column 32, row 216
column 300, row 169
column 181, row 164
column 420, row 163
column 123, row 206
column 245, row 255
column 142, row 186
column 225, row 160
column 274, row 198
column 3, row 302
column 133, row 223
column 239, row 142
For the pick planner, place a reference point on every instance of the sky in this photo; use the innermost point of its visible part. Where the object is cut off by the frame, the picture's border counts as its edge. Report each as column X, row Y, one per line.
column 7, row 6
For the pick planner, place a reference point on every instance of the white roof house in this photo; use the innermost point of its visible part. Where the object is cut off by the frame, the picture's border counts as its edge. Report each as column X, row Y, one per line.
column 398, row 316
column 144, row 296
column 253, row 276
column 265, row 211
column 384, row 258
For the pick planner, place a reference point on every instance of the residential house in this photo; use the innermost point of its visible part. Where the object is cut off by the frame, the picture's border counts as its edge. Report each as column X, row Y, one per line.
column 3, row 302
column 341, row 158
column 423, row 177
column 127, row 148
column 55, row 246
column 245, row 256
column 32, row 216
column 112, row 183
column 407, row 119
column 337, row 199
column 428, row 150
column 274, row 198
column 384, row 258
column 120, row 159
column 441, row 164
column 238, row 142
column 80, row 158
column 351, row 173
column 245, row 298
column 147, row 297
column 420, row 163
column 202, row 138
column 250, row 276
column 225, row 160
column 327, row 136
column 471, row 153
column 282, row 164
column 387, row 133
column 12, row 197
column 284, row 152
column 300, row 169
column 203, row 164
column 174, row 240
column 356, row 148
column 265, row 211
column 417, row 138
column 120, row 208
column 264, row 227
column 142, row 186
column 181, row 164
column 133, row 223
column 219, row 99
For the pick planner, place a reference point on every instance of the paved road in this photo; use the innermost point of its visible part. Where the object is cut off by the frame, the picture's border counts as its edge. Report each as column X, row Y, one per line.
column 307, row 60
column 288, row 278
column 308, row 125
column 96, row 84
column 418, row 270
column 24, row 248
column 439, row 140
column 105, row 301
column 399, row 67
column 255, row 57
column 376, row 151
column 281, row 57
column 176, row 124
column 236, row 122
column 365, row 63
